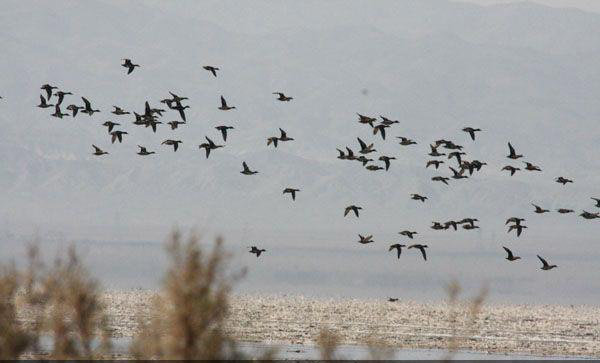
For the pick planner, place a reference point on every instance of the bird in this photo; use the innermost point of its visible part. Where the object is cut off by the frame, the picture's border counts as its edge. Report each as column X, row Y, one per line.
column 374, row 167
column 209, row 145
column 350, row 155
column 470, row 221
column 435, row 163
column 284, row 136
column 247, row 170
column 353, row 208
column 48, row 88
column 391, row 299
column 512, row 154
column 456, row 154
column 381, row 129
column 283, row 97
column 597, row 201
column 175, row 124
column 363, row 159
column 387, row 121
column 117, row 135
column 143, row 151
column 456, row 174
column 98, row 151
column 408, row 233
column 211, row 69
column 441, row 179
column 257, row 251
column 44, row 103
column 130, row 66
column 471, row 131
column 452, row 224
column 437, row 226
column 366, row 119
column 512, row 169
column 514, row 220
column 418, row 197
column 61, row 95
column 176, row 98
column 175, row 143
column 531, row 167
column 119, row 111
column 88, row 107
column 386, row 160
column 545, row 265
column 341, row 156
column 469, row 226
column 405, row 141
column 291, row 191
column 564, row 210
column 272, row 140
column 563, row 180
column 539, row 209
column 398, row 247
column 364, row 149
column 434, row 151
column 510, row 256
column 110, row 125
column 58, row 113
column 518, row 227
column 223, row 130
column 224, row 106
column 181, row 109
column 364, row 240
column 588, row 215
column 421, row 248
column 74, row 109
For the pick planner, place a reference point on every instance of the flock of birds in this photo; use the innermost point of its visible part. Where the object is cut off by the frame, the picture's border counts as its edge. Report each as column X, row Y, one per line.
column 441, row 152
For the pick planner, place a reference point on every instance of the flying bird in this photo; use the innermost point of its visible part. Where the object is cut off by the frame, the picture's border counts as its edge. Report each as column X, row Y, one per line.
column 88, row 107
column 564, row 210
column 364, row 149
column 405, row 141
column 247, row 170
column 531, row 167
column 366, row 119
column 539, row 209
column 175, row 124
column 223, row 130
column 387, row 121
column 364, row 240
column 44, row 103
column 119, row 111
column 398, row 247
column 434, row 151
column 512, row 169
column 374, row 167
column 291, row 191
column 209, row 145
column 98, row 151
column 353, row 208
column 284, row 136
column 381, row 129
column 255, row 250
column 110, row 125
column 471, row 131
column 174, row 143
column 563, row 181
column 386, row 160
column 58, row 113
column 283, row 97
column 514, row 220
column 510, row 256
column 441, row 179
column 74, row 109
column 418, row 197
column 518, row 227
column 545, row 265
column 435, row 163
column 224, row 106
column 408, row 233
column 588, row 215
column 421, row 248
column 130, row 66
column 143, row 151
column 211, row 69
column 117, row 135
column 272, row 140
column 512, row 154
column 48, row 88
column 61, row 95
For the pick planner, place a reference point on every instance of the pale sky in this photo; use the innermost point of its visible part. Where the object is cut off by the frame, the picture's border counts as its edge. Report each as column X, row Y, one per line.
column 587, row 5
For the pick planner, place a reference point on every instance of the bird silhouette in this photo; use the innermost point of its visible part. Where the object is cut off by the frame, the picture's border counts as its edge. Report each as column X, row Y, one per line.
column 518, row 227
column 545, row 265
column 117, row 135
column 406, row 141
column 531, row 167
column 88, row 107
column 255, row 250
column 365, row 239
column 435, row 163
column 223, row 130
column 284, row 136
column 174, row 143
column 386, row 160
column 74, row 109
column 512, row 169
column 588, row 215
column 381, row 129
column 211, row 69
column 398, row 247
column 373, row 167
column 366, row 119
column 61, row 95
column 510, row 255
column 291, row 191
column 44, row 103
column 512, row 154
column 387, row 121
column 98, row 151
column 421, row 248
column 456, row 174
column 247, row 170
column 58, row 113
column 143, row 151
column 434, row 151
column 564, row 210
column 110, row 125
column 119, row 111
column 408, row 233
column 175, row 124
column 353, row 208
column 441, row 179
column 283, row 97
column 224, row 106
column 130, row 66
column 563, row 180
column 539, row 209
column 364, row 148
column 471, row 131
column 209, row 145
column 418, row 197
column 272, row 140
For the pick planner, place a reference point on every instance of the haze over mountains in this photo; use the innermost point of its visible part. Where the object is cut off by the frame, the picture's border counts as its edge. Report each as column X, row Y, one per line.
column 523, row 72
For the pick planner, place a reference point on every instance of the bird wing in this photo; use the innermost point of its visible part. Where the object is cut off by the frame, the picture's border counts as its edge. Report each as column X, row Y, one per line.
column 97, row 149
column 283, row 134
column 362, row 143
column 223, row 102
column 382, row 129
column 346, row 211
column 210, row 142
column 423, row 252
column 472, row 133
column 88, row 105
column 175, row 146
column 510, row 255
column 511, row 149
column 544, row 262
column 245, row 166
column 182, row 113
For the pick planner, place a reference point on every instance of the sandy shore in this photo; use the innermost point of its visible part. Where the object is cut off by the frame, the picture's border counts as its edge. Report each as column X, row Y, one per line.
column 515, row 329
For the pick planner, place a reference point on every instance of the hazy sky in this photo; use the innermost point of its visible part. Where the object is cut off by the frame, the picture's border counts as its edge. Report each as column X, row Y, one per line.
column 587, row 5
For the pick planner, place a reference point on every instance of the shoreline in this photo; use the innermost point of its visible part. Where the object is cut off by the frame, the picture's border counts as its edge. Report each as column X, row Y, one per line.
column 528, row 330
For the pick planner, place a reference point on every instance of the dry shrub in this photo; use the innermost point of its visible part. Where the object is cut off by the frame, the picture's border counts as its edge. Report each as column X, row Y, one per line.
column 474, row 306
column 14, row 340
column 189, row 315
column 327, row 343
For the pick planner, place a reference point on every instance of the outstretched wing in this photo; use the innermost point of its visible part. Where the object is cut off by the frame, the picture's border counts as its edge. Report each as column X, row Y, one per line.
column 511, row 149
column 88, row 105
column 544, row 262
column 510, row 255
column 223, row 102
column 362, row 143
